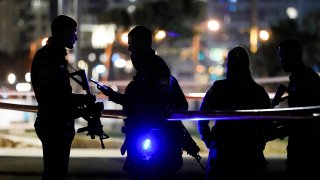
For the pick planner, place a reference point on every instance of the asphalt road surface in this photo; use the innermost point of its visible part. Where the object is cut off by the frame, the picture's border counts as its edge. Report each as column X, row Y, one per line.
column 102, row 168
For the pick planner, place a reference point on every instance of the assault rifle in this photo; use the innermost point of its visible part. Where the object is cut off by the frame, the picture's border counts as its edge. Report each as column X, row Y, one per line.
column 190, row 145
column 92, row 110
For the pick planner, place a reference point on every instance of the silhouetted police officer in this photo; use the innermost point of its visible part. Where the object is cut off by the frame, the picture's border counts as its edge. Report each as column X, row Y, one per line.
column 57, row 105
column 147, row 98
column 236, row 147
column 303, row 150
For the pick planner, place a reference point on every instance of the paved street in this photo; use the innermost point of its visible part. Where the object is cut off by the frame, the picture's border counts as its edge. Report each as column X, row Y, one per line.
column 96, row 164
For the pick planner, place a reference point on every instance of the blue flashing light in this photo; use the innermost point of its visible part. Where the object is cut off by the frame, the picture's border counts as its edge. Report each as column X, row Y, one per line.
column 146, row 144
column 147, row 148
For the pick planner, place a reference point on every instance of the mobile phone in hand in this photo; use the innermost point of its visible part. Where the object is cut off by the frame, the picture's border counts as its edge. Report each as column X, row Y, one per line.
column 97, row 83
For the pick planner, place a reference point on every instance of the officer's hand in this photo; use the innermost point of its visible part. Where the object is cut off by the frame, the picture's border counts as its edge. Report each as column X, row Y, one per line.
column 105, row 90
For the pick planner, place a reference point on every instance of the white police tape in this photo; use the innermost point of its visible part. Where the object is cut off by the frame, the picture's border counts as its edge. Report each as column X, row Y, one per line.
column 296, row 113
column 33, row 109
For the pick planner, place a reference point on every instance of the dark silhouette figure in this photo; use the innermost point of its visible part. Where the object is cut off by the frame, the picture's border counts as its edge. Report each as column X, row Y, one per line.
column 58, row 107
column 147, row 98
column 303, row 150
column 236, row 147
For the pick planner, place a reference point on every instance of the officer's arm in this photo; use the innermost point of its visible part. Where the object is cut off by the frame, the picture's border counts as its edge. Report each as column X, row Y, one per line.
column 113, row 95
column 117, row 98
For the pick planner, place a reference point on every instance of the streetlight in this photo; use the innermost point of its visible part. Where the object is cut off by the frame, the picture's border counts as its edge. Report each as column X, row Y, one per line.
column 292, row 12
column 264, row 35
column 213, row 25
column 160, row 35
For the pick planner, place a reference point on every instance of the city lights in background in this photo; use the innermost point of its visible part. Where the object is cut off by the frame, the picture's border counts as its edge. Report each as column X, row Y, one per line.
column 201, row 69
column 82, row 64
column 218, row 54
column 253, row 39
column 120, row 63
column 213, row 25
column 23, row 87
column 160, row 35
column 100, row 68
column 12, row 78
column 103, row 58
column 102, row 35
column 264, row 35
column 131, row 9
column 36, row 4
column 104, row 42
column 44, row 41
column 27, row 77
column 115, row 56
column 92, row 57
column 216, row 70
column 292, row 12
column 124, row 38
column 129, row 67
column 98, row 71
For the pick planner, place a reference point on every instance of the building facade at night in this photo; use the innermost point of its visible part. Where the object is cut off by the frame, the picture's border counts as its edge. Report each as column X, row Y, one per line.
column 25, row 23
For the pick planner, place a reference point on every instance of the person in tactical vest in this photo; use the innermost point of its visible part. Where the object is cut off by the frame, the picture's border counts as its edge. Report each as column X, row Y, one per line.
column 153, row 144
column 303, row 157
column 58, row 106
column 236, row 146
